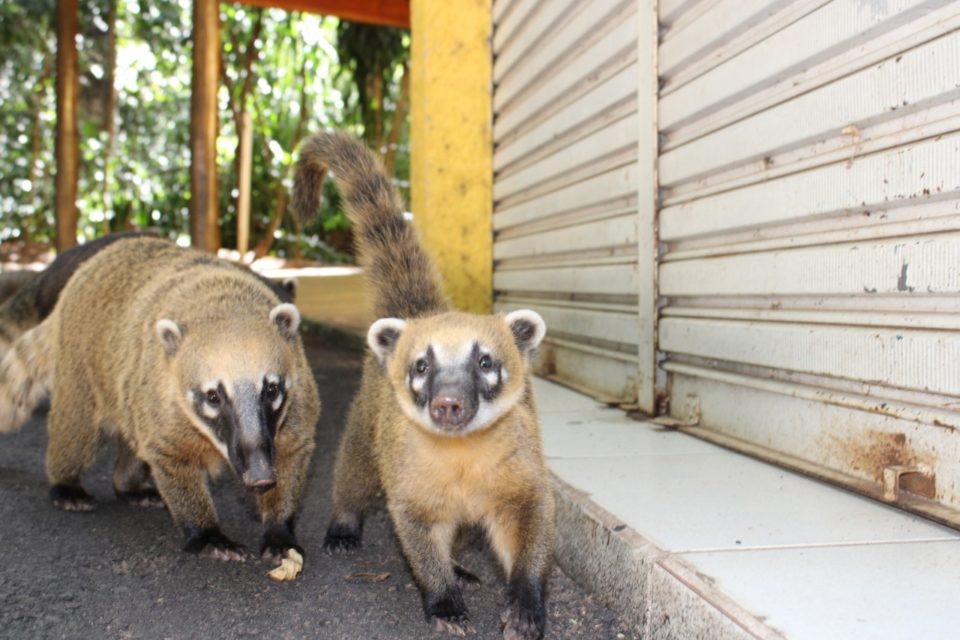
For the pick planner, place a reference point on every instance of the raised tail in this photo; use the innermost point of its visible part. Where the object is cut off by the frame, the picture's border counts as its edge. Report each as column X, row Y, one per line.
column 26, row 374
column 404, row 279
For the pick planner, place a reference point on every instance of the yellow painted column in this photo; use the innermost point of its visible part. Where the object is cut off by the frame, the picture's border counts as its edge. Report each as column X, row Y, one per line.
column 451, row 144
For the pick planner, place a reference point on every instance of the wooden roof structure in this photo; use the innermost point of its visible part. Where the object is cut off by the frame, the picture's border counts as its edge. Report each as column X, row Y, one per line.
column 390, row 13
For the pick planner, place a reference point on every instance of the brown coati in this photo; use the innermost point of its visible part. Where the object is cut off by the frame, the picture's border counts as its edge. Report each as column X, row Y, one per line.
column 34, row 301
column 193, row 364
column 445, row 423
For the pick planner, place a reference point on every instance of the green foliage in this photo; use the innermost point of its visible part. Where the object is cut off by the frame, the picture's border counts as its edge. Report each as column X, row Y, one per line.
column 283, row 68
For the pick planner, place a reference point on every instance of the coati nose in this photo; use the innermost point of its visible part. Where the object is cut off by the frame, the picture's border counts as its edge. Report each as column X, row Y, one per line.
column 259, row 476
column 447, row 411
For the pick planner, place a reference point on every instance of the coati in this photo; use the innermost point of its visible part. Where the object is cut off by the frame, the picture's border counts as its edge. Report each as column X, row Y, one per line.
column 34, row 301
column 445, row 422
column 193, row 364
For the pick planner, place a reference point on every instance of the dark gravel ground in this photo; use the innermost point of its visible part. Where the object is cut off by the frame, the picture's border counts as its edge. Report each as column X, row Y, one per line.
column 118, row 572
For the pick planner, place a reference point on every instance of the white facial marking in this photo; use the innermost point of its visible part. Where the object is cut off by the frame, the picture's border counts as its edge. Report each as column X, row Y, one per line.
column 417, row 383
column 276, row 403
column 491, row 378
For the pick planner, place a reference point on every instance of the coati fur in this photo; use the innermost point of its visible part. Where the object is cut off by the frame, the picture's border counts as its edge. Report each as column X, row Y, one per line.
column 445, row 423
column 26, row 307
column 193, row 364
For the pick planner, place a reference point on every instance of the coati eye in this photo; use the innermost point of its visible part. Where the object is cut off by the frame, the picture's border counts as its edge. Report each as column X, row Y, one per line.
column 486, row 362
column 213, row 398
column 421, row 366
column 271, row 391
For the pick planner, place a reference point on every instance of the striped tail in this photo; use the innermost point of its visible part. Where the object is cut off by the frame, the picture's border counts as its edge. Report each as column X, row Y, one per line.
column 404, row 279
column 26, row 375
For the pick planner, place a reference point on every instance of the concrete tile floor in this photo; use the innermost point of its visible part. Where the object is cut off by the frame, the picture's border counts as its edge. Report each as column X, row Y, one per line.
column 810, row 560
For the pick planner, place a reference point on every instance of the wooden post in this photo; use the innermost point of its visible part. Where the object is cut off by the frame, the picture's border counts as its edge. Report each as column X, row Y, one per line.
column 204, row 205
column 243, row 183
column 67, row 143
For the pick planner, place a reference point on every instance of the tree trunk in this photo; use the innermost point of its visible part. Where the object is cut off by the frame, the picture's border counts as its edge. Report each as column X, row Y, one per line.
column 67, row 145
column 204, row 207
column 390, row 158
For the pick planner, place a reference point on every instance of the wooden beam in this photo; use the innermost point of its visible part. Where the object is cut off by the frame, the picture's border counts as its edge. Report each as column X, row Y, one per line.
column 389, row 13
column 67, row 143
column 204, row 205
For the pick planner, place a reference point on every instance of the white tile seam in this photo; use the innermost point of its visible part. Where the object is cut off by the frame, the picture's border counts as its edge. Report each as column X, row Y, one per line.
column 634, row 456
column 814, row 545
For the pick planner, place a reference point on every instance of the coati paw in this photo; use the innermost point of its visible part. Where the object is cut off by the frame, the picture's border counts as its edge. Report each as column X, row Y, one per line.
column 277, row 540
column 71, row 498
column 341, row 538
column 466, row 577
column 145, row 498
column 522, row 623
column 449, row 615
column 211, row 543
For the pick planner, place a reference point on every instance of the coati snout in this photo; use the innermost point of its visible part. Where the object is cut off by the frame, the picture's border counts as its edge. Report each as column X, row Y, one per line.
column 460, row 376
column 237, row 395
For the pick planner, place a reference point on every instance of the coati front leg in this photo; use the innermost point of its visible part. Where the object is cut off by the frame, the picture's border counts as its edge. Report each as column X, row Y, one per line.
column 71, row 446
column 132, row 481
column 521, row 535
column 356, row 483
column 427, row 548
column 278, row 507
column 183, row 488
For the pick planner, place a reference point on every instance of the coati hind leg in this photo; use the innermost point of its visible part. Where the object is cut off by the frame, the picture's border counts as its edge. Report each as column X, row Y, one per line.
column 278, row 507
column 71, row 447
column 427, row 549
column 356, row 484
column 183, row 488
column 132, row 481
column 522, row 538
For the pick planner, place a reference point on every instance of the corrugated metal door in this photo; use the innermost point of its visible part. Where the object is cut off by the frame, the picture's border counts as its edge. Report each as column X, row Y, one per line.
column 810, row 221
column 566, row 178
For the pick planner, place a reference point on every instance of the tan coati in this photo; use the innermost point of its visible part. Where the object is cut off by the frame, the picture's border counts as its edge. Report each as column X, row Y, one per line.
column 193, row 364
column 27, row 306
column 444, row 423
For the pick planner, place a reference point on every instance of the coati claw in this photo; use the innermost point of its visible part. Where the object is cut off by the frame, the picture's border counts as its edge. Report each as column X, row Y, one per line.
column 211, row 543
column 341, row 538
column 144, row 498
column 72, row 498
column 517, row 623
column 459, row 626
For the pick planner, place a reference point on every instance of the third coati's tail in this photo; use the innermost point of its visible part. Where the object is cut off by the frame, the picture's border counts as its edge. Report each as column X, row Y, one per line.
column 26, row 373
column 404, row 279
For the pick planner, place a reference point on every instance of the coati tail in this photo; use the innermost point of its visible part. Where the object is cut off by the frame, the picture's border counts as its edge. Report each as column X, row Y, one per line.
column 26, row 372
column 405, row 282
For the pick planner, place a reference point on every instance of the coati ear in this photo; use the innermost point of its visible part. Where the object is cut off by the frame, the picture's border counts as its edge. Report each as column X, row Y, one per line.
column 287, row 319
column 528, row 329
column 383, row 335
column 170, row 334
column 290, row 286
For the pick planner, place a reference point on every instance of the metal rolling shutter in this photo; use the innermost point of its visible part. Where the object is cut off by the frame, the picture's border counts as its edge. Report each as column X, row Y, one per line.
column 810, row 219
column 565, row 184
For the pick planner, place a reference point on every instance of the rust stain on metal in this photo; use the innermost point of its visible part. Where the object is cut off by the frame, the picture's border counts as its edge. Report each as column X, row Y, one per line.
column 873, row 452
